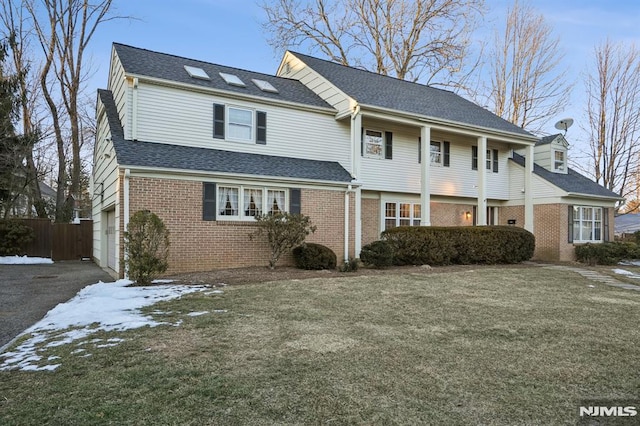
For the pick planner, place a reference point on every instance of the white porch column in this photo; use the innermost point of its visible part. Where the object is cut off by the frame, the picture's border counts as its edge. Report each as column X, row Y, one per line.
column 425, row 165
column 481, row 211
column 528, row 189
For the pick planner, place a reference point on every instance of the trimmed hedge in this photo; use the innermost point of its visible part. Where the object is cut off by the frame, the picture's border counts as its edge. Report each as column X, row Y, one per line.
column 14, row 236
column 420, row 245
column 606, row 253
column 314, row 256
column 378, row 254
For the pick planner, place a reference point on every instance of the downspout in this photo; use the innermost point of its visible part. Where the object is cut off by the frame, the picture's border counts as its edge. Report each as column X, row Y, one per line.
column 346, row 223
column 127, row 175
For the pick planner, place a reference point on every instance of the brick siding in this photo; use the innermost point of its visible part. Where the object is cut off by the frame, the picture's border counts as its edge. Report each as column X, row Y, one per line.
column 198, row 245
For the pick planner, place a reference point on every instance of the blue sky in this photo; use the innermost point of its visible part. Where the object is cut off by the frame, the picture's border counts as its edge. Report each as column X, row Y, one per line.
column 230, row 32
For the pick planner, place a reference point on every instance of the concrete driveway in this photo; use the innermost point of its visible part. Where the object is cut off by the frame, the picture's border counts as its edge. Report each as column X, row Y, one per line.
column 28, row 292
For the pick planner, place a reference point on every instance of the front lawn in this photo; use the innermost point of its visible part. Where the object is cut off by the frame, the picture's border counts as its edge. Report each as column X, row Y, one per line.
column 484, row 346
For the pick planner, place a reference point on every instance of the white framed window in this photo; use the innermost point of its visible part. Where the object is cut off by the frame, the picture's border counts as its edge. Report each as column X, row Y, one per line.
column 587, row 224
column 240, row 124
column 373, row 143
column 436, row 152
column 246, row 202
column 559, row 161
column 401, row 214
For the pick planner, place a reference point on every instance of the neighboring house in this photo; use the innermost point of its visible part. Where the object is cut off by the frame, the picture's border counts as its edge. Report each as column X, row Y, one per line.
column 207, row 147
column 23, row 207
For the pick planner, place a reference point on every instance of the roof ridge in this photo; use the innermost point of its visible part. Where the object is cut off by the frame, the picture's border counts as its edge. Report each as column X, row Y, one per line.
column 373, row 72
column 200, row 61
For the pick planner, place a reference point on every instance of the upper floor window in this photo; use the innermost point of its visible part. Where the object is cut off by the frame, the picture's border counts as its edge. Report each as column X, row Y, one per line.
column 377, row 144
column 491, row 159
column 239, row 124
column 373, row 144
column 436, row 153
column 587, row 224
column 401, row 214
column 559, row 161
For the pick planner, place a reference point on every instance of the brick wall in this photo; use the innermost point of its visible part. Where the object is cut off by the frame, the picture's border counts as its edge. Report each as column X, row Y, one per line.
column 198, row 245
column 446, row 214
column 370, row 215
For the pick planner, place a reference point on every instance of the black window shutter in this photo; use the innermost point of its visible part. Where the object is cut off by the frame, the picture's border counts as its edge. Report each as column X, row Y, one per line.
column 294, row 201
column 388, row 146
column 495, row 161
column 605, row 224
column 446, row 148
column 570, row 225
column 208, row 201
column 362, row 141
column 474, row 158
column 218, row 121
column 261, row 128
column 419, row 149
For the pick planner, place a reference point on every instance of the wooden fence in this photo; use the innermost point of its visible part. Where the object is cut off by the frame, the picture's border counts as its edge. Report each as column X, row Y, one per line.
column 60, row 241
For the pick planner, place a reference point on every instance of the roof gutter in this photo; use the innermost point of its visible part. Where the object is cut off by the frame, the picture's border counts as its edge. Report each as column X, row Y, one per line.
column 596, row 197
column 203, row 173
column 447, row 125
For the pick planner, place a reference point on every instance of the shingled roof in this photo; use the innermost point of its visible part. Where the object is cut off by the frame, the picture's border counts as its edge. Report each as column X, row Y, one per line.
column 159, row 155
column 142, row 62
column 572, row 182
column 373, row 89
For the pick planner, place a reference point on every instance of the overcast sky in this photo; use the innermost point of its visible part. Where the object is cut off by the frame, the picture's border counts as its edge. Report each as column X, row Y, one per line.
column 229, row 32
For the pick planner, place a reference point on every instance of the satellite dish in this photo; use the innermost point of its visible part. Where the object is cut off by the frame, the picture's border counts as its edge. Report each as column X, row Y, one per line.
column 564, row 124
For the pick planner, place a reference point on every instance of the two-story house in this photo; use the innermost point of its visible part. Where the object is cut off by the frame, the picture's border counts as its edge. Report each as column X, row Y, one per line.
column 207, row 147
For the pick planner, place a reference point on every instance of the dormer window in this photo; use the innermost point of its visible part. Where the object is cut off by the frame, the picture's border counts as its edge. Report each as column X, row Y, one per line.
column 559, row 161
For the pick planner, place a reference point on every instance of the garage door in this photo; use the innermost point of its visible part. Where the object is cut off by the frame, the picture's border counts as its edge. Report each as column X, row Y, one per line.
column 111, row 239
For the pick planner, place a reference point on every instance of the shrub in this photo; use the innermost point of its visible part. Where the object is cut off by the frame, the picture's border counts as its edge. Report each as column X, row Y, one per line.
column 460, row 245
column 146, row 243
column 351, row 265
column 14, row 235
column 314, row 256
column 283, row 231
column 378, row 254
column 609, row 253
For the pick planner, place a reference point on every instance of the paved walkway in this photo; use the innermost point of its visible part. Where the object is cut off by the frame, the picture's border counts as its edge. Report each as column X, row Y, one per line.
column 593, row 276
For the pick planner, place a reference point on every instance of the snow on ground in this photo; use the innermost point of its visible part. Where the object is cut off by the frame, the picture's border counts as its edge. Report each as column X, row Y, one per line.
column 626, row 273
column 99, row 307
column 23, row 260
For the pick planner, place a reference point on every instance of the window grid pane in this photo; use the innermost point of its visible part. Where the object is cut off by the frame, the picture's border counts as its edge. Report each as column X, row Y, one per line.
column 373, row 144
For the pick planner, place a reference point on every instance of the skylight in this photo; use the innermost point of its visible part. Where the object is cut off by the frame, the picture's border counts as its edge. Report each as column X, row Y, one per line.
column 196, row 72
column 265, row 86
column 232, row 79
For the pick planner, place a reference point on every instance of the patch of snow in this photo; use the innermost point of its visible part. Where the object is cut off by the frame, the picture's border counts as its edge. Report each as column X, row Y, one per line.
column 630, row 263
column 162, row 281
column 99, row 307
column 197, row 314
column 220, row 311
column 622, row 272
column 24, row 260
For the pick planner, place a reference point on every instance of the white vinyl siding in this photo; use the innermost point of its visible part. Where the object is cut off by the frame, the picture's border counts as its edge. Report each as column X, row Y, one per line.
column 402, row 173
column 121, row 91
column 180, row 117
column 318, row 84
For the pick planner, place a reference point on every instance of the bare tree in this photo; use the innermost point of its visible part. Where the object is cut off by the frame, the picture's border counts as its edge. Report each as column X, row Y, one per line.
column 417, row 40
column 613, row 112
column 528, row 85
column 64, row 29
column 17, row 30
